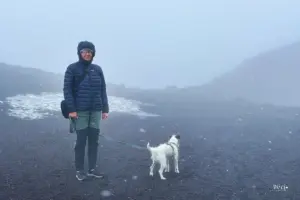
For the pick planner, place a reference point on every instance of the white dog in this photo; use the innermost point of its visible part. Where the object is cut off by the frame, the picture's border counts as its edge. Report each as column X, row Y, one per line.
column 162, row 154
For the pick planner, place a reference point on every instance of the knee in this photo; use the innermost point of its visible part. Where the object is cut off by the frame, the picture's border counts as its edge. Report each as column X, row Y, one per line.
column 94, row 131
column 93, row 137
column 80, row 143
column 93, row 143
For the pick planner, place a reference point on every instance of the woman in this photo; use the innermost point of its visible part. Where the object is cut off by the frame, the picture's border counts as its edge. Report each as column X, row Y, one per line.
column 86, row 98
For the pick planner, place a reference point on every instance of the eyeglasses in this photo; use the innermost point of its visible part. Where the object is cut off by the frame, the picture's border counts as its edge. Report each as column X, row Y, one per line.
column 86, row 51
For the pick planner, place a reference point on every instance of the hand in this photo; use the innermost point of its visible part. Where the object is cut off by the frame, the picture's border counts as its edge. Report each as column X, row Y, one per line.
column 104, row 115
column 73, row 115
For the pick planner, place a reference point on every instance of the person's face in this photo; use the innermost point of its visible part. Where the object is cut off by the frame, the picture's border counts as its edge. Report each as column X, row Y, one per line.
column 86, row 54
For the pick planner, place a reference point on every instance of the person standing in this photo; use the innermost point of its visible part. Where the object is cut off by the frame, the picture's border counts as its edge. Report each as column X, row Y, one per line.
column 86, row 98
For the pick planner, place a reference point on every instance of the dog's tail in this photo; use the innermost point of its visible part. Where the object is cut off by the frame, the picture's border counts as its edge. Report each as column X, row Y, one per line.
column 148, row 146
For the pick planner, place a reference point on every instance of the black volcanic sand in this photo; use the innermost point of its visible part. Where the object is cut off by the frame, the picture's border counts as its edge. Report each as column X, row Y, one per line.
column 227, row 152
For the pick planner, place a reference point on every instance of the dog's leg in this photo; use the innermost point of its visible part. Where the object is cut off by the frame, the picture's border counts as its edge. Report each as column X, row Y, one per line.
column 168, row 166
column 163, row 165
column 176, row 162
column 151, row 168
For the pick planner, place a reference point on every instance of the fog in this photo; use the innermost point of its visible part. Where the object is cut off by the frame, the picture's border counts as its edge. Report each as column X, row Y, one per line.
column 147, row 44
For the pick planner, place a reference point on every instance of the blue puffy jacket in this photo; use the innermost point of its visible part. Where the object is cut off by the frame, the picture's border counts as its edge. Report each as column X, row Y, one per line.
column 88, row 94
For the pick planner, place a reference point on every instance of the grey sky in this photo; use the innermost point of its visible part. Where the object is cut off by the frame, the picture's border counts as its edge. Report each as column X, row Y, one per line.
column 147, row 43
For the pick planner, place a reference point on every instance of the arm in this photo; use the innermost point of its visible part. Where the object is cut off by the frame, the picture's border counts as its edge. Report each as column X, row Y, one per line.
column 68, row 93
column 104, row 93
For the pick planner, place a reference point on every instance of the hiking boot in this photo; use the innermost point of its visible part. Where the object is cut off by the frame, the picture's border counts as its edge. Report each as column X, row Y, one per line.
column 93, row 173
column 80, row 175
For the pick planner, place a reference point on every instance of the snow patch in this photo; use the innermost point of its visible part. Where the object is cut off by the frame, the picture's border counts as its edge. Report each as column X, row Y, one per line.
column 33, row 107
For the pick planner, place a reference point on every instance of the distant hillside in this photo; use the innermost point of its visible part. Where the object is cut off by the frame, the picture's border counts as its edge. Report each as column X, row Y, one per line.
column 23, row 80
column 271, row 77
column 20, row 80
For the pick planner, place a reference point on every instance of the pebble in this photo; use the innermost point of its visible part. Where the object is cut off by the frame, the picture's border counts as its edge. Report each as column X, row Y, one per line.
column 142, row 130
column 105, row 193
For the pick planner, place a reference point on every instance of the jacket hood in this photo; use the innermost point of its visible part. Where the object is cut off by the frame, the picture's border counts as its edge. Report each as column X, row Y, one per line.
column 85, row 45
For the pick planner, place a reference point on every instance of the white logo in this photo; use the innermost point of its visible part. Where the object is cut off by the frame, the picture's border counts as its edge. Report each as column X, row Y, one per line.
column 280, row 188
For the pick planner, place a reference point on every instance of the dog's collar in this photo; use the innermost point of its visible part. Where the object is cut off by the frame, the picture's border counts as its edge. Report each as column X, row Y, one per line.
column 171, row 144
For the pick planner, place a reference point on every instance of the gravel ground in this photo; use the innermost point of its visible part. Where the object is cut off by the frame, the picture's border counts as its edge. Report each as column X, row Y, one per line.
column 224, row 156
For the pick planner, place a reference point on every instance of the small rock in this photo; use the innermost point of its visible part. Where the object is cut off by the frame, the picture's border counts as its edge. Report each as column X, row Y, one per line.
column 142, row 130
column 105, row 193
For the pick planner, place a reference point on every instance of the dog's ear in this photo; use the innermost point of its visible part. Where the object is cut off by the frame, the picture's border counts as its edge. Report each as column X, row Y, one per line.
column 178, row 137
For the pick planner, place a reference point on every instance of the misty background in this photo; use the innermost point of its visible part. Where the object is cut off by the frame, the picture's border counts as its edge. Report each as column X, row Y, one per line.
column 147, row 44
column 236, row 64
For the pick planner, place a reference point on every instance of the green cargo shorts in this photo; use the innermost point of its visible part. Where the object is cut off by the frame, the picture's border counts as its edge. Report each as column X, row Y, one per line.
column 87, row 120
